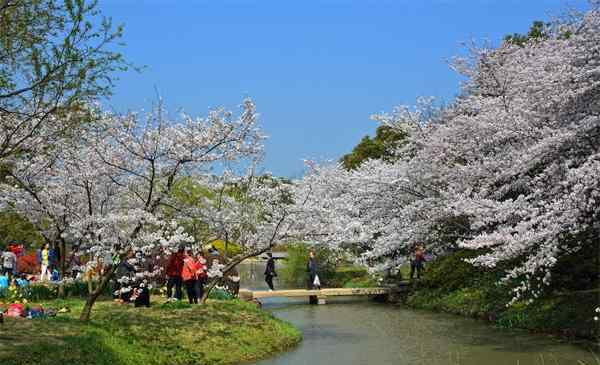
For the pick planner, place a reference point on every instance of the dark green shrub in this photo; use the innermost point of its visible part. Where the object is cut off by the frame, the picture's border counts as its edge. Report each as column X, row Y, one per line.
column 49, row 291
column 41, row 292
column 570, row 315
column 345, row 274
column 454, row 286
column 360, row 282
column 220, row 294
column 294, row 272
column 451, row 272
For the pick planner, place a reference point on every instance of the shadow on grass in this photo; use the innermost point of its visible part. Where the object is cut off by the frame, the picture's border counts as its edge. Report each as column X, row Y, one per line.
column 39, row 342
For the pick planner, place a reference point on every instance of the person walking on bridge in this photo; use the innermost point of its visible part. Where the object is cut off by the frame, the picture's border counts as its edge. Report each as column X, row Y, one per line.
column 270, row 271
column 311, row 268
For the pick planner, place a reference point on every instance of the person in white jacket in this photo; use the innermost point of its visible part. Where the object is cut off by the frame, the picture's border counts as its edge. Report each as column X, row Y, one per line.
column 9, row 264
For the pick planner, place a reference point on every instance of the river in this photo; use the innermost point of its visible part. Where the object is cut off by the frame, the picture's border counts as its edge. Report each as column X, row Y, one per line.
column 359, row 331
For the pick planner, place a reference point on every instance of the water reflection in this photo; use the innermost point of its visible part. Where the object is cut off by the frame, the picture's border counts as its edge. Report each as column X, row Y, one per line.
column 350, row 331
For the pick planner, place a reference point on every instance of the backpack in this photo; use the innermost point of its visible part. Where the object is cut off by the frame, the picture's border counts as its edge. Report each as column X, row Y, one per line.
column 8, row 261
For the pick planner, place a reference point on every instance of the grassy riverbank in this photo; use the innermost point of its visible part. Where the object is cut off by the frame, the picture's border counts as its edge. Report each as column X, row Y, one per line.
column 221, row 332
column 450, row 285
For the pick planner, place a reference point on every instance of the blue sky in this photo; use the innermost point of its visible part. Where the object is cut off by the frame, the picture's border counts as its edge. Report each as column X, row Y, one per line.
column 317, row 70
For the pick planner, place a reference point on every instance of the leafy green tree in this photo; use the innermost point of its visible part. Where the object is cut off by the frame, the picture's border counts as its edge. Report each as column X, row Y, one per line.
column 382, row 146
column 537, row 31
column 17, row 229
column 56, row 57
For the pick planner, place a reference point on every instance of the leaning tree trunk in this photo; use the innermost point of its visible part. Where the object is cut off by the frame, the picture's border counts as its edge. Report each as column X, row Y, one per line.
column 91, row 299
column 233, row 263
column 208, row 289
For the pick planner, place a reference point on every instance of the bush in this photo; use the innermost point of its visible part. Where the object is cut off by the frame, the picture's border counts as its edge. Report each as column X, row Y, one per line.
column 570, row 315
column 221, row 294
column 49, row 291
column 346, row 274
column 454, row 286
column 27, row 263
column 294, row 273
column 360, row 282
column 451, row 272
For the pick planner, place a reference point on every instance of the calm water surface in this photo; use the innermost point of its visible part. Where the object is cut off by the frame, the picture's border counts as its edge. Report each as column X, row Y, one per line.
column 351, row 331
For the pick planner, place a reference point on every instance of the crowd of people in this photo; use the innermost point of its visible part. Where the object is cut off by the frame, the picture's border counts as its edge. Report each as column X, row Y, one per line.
column 11, row 275
column 184, row 269
column 189, row 270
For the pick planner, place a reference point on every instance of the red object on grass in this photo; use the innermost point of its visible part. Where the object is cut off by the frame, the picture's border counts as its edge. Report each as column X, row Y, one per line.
column 15, row 310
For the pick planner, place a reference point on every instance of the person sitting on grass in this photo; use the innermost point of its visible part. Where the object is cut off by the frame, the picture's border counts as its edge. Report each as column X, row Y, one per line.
column 141, row 295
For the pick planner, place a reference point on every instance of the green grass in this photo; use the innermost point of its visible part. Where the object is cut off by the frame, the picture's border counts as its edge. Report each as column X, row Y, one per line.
column 221, row 332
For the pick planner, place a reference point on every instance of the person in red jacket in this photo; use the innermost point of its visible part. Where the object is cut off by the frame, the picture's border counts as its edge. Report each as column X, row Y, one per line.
column 416, row 264
column 189, row 274
column 174, row 270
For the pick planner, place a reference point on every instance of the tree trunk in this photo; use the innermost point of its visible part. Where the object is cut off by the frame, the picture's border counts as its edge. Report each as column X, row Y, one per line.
column 208, row 289
column 233, row 263
column 90, row 285
column 91, row 299
column 63, row 269
column 63, row 259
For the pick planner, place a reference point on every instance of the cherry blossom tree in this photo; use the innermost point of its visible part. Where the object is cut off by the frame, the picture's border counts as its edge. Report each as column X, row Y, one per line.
column 254, row 211
column 510, row 168
column 106, row 192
